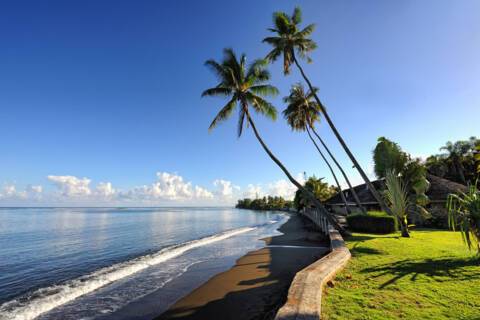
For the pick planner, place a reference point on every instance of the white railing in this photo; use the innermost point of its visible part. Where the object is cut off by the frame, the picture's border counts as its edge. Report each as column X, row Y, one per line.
column 318, row 218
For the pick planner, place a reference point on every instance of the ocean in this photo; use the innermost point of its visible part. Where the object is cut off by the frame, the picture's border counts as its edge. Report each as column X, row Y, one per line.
column 94, row 263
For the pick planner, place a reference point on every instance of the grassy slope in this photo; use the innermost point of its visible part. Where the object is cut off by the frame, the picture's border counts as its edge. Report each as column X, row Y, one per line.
column 429, row 276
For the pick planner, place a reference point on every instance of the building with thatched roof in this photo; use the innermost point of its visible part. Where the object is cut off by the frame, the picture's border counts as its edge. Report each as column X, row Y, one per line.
column 438, row 192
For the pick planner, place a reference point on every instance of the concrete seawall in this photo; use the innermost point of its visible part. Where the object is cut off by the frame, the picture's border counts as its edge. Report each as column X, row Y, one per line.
column 304, row 299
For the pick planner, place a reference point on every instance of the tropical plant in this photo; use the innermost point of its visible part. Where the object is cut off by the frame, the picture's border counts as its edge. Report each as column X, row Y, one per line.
column 321, row 190
column 464, row 213
column 388, row 156
column 399, row 203
column 289, row 41
column 301, row 114
column 246, row 86
column 459, row 161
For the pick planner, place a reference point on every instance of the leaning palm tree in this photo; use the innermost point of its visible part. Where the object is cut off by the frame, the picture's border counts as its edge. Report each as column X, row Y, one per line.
column 291, row 41
column 246, row 86
column 301, row 114
column 299, row 100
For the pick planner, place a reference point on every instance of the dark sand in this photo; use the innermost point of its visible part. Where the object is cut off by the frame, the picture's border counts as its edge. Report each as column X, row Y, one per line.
column 258, row 284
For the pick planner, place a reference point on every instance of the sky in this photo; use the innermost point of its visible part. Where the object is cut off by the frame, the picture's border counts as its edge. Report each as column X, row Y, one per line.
column 100, row 100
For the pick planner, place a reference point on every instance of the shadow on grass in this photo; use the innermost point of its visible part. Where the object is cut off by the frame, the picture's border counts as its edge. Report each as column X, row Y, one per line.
column 358, row 251
column 440, row 270
column 366, row 237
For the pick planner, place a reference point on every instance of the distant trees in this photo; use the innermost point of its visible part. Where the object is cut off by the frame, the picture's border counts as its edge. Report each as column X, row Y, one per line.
column 458, row 163
column 264, row 203
column 322, row 191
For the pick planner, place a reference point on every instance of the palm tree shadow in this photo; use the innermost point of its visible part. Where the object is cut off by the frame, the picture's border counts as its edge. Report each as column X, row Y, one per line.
column 440, row 270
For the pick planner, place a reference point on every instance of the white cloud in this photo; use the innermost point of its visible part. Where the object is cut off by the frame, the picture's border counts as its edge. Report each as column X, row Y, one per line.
column 282, row 188
column 34, row 189
column 105, row 189
column 167, row 189
column 225, row 188
column 170, row 187
column 253, row 191
column 71, row 186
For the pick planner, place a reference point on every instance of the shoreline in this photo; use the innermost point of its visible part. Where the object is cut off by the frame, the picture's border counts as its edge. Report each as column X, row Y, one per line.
column 257, row 285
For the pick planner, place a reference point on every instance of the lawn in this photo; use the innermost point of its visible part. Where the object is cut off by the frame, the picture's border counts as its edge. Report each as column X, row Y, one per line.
column 431, row 275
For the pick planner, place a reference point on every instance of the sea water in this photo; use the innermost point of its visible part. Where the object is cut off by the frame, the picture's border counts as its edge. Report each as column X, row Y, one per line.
column 88, row 263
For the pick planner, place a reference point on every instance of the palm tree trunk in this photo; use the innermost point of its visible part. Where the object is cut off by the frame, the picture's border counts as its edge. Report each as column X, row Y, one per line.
column 309, row 194
column 331, row 170
column 372, row 189
column 354, row 193
column 404, row 227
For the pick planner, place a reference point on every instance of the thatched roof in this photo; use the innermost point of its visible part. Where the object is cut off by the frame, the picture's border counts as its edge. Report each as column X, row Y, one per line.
column 439, row 189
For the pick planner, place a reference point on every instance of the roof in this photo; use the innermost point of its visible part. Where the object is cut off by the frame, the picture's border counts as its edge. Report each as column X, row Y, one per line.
column 439, row 189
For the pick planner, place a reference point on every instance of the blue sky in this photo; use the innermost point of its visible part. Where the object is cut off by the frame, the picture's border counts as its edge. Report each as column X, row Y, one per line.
column 110, row 91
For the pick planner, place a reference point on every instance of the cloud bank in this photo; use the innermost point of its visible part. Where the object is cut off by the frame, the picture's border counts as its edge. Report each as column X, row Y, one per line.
column 166, row 189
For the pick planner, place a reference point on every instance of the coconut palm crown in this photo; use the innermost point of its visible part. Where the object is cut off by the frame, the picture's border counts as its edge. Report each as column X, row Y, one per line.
column 244, row 85
column 290, row 38
column 301, row 111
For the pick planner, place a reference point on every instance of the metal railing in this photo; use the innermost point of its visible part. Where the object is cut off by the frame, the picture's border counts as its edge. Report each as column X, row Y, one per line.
column 318, row 218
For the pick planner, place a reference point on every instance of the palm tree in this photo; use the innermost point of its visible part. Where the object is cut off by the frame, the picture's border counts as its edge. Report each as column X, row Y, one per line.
column 291, row 41
column 397, row 196
column 246, row 86
column 301, row 114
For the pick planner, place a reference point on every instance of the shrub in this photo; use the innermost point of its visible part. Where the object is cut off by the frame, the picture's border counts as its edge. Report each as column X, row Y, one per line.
column 372, row 222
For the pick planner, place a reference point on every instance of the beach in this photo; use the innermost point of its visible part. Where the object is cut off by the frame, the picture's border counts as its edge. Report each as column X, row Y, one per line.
column 257, row 285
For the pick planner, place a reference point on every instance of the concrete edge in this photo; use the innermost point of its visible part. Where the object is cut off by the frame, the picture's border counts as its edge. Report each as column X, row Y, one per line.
column 304, row 300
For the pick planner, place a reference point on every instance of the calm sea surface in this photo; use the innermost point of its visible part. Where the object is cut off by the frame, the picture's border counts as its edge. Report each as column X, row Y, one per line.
column 88, row 263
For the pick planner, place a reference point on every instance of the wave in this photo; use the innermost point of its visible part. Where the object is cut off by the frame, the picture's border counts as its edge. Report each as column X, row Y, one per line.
column 46, row 299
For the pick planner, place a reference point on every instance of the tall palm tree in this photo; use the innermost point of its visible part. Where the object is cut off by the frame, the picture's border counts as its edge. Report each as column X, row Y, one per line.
column 290, row 41
column 246, row 86
column 301, row 114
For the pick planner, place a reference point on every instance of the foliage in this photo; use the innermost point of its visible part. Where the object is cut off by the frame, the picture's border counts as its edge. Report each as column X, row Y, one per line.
column 428, row 276
column 372, row 222
column 301, row 111
column 388, row 155
column 243, row 85
column 459, row 163
column 289, row 38
column 321, row 190
column 477, row 156
column 464, row 213
column 397, row 199
column 265, row 203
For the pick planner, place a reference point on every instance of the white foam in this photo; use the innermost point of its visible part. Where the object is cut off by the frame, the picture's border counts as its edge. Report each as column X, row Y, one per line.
column 46, row 299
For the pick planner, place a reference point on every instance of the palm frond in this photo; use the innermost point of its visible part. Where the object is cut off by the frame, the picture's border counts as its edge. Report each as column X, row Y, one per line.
column 297, row 16
column 216, row 68
column 217, row 91
column 224, row 113
column 264, row 90
column 262, row 106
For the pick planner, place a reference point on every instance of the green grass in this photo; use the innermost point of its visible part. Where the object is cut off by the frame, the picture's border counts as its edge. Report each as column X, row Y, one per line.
column 431, row 275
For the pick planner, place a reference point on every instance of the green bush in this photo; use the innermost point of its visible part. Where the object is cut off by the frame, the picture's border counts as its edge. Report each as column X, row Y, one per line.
column 372, row 222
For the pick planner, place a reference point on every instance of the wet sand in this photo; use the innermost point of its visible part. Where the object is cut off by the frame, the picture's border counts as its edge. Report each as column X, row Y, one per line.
column 256, row 287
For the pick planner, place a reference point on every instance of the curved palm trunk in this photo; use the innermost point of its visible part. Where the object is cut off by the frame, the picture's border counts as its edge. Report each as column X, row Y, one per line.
column 331, row 170
column 354, row 193
column 372, row 189
column 309, row 194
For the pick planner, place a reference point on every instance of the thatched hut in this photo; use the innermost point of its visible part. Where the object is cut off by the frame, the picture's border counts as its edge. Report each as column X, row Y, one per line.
column 438, row 192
